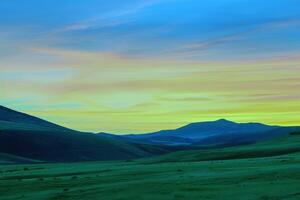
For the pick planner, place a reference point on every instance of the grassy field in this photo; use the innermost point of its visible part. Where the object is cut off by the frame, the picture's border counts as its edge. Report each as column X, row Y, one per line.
column 265, row 178
column 278, row 146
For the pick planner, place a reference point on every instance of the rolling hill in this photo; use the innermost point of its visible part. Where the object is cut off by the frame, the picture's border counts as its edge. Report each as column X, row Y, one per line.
column 27, row 138
column 31, row 138
column 220, row 132
column 268, row 170
column 278, row 146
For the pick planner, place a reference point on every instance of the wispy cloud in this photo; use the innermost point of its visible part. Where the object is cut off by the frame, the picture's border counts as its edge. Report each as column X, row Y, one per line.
column 197, row 47
column 110, row 19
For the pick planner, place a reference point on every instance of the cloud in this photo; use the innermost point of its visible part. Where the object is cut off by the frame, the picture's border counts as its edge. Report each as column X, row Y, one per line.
column 145, row 94
column 109, row 19
column 197, row 47
column 187, row 99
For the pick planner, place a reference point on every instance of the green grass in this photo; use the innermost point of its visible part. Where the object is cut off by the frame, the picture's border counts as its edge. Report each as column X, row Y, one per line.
column 265, row 178
column 279, row 146
column 11, row 159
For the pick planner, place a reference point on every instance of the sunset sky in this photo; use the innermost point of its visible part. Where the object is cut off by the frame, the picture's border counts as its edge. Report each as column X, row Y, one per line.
column 134, row 66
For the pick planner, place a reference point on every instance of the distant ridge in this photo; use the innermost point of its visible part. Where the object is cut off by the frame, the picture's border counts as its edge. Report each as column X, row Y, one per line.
column 220, row 131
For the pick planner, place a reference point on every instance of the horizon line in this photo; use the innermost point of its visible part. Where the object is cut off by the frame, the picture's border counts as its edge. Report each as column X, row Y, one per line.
column 104, row 132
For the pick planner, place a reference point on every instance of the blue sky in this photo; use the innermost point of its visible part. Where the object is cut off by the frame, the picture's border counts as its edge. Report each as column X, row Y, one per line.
column 155, row 27
column 150, row 64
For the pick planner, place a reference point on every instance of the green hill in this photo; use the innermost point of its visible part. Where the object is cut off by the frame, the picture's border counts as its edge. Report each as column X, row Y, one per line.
column 165, row 178
column 279, row 146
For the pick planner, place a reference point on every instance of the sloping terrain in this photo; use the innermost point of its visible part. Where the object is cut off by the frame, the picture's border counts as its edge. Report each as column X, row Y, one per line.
column 66, row 147
column 264, row 178
column 13, row 120
column 265, row 170
column 278, row 146
column 32, row 138
column 11, row 159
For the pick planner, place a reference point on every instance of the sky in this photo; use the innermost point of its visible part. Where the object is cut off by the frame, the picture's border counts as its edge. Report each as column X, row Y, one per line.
column 135, row 66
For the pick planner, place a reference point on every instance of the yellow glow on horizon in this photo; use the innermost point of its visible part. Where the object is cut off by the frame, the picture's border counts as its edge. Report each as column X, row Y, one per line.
column 110, row 93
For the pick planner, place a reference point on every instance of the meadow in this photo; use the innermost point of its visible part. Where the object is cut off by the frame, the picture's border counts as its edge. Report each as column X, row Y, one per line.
column 267, row 177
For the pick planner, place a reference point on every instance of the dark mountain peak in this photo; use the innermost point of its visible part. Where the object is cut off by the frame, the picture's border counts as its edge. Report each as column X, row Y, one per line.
column 224, row 121
column 200, row 130
column 210, row 124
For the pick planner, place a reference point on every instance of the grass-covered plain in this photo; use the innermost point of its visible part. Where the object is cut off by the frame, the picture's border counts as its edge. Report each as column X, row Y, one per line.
column 266, row 178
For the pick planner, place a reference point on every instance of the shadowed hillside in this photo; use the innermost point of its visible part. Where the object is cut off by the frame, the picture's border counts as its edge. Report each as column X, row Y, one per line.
column 10, row 119
column 32, row 138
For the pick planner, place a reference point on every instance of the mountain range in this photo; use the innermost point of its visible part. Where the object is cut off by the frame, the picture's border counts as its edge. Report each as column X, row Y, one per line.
column 25, row 138
column 220, row 131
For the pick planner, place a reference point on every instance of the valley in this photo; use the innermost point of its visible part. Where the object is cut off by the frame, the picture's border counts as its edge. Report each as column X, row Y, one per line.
column 276, row 177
